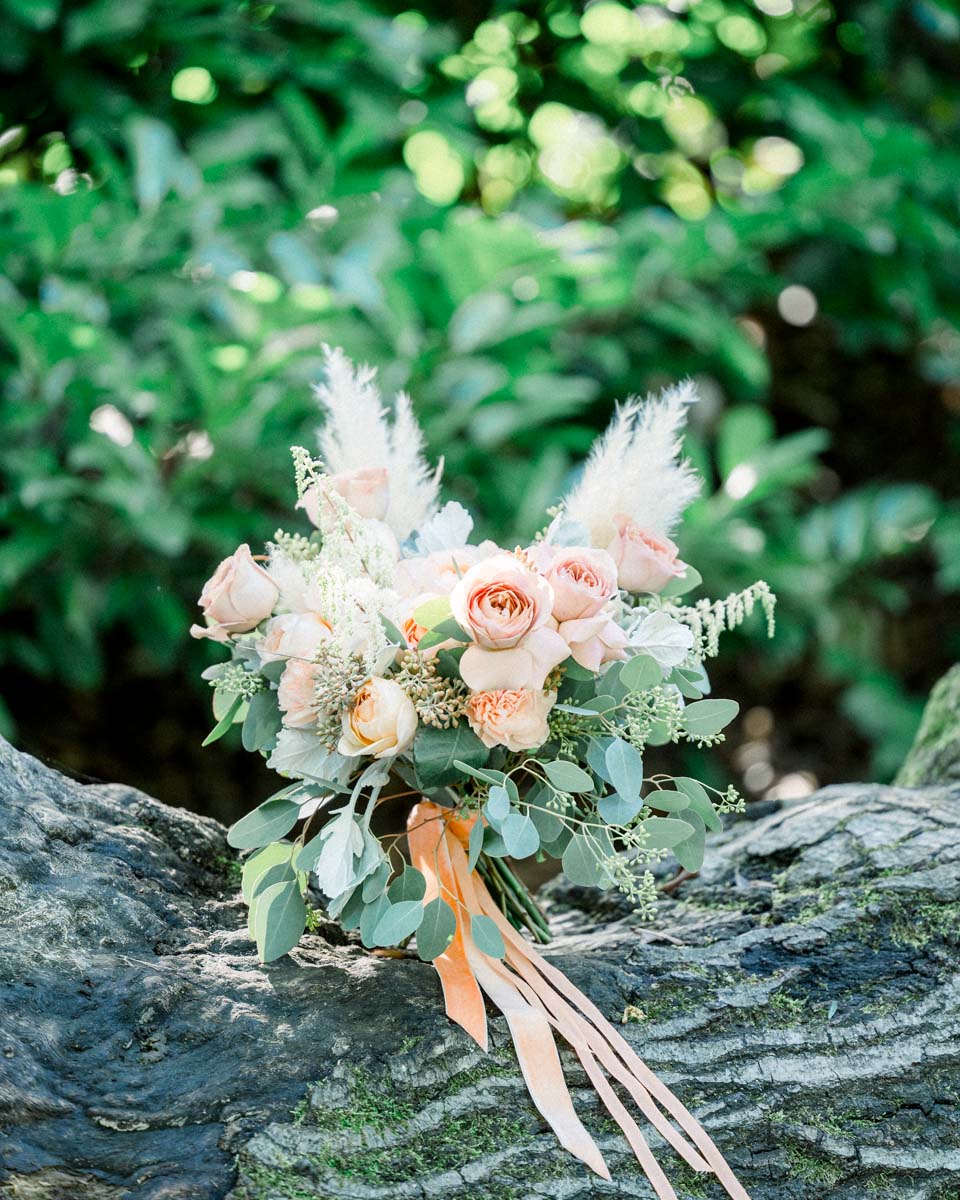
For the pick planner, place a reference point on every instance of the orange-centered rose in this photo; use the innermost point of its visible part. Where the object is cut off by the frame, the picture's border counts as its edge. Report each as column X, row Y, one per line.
column 295, row 694
column 381, row 723
column 646, row 562
column 294, row 635
column 514, row 718
column 367, row 492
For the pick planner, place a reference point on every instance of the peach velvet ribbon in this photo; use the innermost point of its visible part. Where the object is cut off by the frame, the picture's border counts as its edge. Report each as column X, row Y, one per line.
column 537, row 999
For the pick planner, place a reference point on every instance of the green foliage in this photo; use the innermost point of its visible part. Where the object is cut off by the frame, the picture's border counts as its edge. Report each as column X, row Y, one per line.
column 519, row 220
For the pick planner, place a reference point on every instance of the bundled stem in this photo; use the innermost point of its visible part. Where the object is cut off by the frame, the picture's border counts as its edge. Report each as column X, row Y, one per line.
column 513, row 897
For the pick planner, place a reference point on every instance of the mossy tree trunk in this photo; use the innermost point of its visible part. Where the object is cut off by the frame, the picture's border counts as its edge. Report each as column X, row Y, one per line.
column 802, row 996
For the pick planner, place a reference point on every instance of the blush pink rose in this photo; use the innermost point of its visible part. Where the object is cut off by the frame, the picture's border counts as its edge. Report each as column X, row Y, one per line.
column 515, row 717
column 381, row 723
column 646, row 562
column 237, row 597
column 499, row 601
column 595, row 640
column 505, row 606
column 294, row 635
column 295, row 694
column 367, row 492
column 583, row 580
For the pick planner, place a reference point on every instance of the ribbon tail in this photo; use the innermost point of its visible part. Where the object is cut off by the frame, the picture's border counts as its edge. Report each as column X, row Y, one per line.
column 532, row 1039
column 638, row 1078
column 429, row 853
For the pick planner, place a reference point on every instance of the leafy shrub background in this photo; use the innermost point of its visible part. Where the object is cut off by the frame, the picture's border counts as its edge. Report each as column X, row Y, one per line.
column 521, row 214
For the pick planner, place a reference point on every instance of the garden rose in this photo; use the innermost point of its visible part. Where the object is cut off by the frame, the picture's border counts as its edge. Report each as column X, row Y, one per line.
column 646, row 562
column 505, row 606
column 295, row 694
column 595, row 640
column 583, row 580
column 366, row 491
column 381, row 723
column 499, row 601
column 515, row 718
column 294, row 635
column 237, row 597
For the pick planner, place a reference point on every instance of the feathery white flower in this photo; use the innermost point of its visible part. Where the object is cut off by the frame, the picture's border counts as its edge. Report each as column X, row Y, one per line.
column 357, row 433
column 635, row 468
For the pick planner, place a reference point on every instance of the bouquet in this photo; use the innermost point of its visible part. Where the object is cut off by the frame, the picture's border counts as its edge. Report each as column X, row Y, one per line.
column 509, row 703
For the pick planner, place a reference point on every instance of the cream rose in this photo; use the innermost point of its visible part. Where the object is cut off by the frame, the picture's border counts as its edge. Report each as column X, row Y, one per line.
column 295, row 695
column 515, row 718
column 583, row 580
column 505, row 606
column 294, row 635
column 237, row 597
column 595, row 640
column 381, row 723
column 646, row 562
column 366, row 491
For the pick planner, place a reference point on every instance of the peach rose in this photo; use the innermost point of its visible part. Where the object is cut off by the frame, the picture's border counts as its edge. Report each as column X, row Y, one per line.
column 595, row 640
column 499, row 601
column 366, row 491
column 505, row 607
column 583, row 580
column 294, row 635
column 515, row 718
column 295, row 694
column 237, row 597
column 381, row 723
column 646, row 562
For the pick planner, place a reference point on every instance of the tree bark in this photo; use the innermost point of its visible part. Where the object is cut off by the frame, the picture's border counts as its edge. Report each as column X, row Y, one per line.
column 802, row 996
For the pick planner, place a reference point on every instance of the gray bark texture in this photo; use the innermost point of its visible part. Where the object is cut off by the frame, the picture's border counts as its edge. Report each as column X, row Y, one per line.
column 802, row 996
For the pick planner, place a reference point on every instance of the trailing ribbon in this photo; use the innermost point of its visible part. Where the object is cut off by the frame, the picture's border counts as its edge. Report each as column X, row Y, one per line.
column 537, row 999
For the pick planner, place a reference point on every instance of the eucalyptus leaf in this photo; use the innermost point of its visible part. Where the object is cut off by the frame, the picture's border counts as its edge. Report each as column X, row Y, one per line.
column 487, row 774
column 640, row 673
column 281, row 917
column 497, row 808
column 369, row 919
column 624, row 768
column 437, row 929
column 667, row 800
column 597, row 756
column 682, row 584
column 394, row 635
column 223, row 724
column 700, row 802
column 376, row 883
column 409, row 885
column 258, row 864
column 397, row 922
column 584, row 858
column 567, row 776
column 705, row 718
column 267, row 822
column 486, row 936
column 262, row 722
column 493, row 843
column 475, row 844
column 663, row 833
column 520, row 835
column 352, row 911
column 690, row 851
column 548, row 823
column 618, row 810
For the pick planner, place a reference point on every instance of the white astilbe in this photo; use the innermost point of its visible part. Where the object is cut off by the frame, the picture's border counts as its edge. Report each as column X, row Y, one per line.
column 635, row 468
column 357, row 434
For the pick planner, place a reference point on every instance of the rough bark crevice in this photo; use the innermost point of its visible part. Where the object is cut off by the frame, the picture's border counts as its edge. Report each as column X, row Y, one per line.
column 802, row 995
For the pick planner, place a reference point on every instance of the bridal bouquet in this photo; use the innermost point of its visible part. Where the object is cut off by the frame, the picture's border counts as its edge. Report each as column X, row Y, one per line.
column 509, row 702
